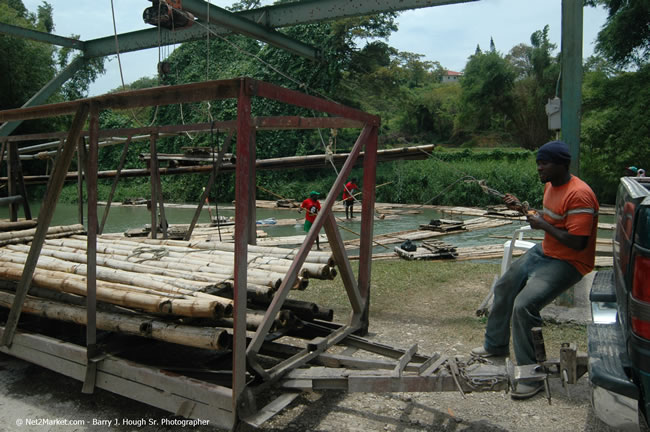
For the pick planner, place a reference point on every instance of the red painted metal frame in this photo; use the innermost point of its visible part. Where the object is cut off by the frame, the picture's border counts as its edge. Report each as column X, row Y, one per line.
column 244, row 89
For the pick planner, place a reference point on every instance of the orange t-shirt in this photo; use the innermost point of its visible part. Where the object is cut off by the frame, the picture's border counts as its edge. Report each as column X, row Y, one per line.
column 573, row 207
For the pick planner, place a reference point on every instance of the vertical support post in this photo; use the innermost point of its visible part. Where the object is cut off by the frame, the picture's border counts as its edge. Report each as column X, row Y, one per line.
column 252, row 205
column 156, row 186
column 44, row 218
column 243, row 182
column 153, row 165
column 367, row 215
column 572, row 78
column 11, row 180
column 91, row 248
column 21, row 185
column 2, row 152
column 81, row 168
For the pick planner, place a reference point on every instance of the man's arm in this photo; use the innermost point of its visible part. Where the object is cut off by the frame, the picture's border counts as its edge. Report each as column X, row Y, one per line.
column 575, row 242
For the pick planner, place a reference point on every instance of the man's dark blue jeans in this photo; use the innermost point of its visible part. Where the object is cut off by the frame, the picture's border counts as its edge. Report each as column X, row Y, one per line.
column 532, row 281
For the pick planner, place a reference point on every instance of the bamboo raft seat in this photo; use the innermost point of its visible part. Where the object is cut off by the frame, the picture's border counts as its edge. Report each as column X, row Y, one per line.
column 443, row 225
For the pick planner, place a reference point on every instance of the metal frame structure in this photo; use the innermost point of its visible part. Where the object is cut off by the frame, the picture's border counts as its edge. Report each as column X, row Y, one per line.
column 244, row 354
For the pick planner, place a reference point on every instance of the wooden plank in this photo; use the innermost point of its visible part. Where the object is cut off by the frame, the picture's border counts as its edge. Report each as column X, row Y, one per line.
column 378, row 384
column 270, row 409
column 425, row 365
column 346, row 361
column 70, row 359
column 404, row 360
column 431, row 368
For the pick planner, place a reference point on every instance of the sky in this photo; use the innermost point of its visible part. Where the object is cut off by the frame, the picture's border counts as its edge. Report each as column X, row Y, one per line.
column 447, row 34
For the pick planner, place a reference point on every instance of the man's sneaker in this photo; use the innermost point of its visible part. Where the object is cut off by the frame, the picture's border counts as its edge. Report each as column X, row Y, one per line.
column 483, row 353
column 527, row 390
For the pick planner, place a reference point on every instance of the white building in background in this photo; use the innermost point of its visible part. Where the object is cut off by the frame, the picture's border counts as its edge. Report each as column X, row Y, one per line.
column 451, row 76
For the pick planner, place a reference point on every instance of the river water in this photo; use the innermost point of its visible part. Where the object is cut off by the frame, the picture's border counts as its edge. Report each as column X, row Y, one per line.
column 122, row 218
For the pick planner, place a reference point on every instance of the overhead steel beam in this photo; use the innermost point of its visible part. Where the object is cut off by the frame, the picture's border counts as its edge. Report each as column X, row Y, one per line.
column 268, row 17
column 310, row 11
column 238, row 24
column 44, row 93
column 38, row 36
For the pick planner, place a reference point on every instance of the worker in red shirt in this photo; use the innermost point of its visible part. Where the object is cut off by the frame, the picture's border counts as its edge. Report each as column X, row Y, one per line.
column 312, row 207
column 348, row 198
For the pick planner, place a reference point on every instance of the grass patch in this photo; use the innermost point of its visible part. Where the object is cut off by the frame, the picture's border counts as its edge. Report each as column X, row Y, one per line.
column 438, row 294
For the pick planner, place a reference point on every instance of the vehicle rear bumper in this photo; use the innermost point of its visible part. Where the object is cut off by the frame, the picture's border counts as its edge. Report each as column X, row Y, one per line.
column 614, row 395
column 615, row 410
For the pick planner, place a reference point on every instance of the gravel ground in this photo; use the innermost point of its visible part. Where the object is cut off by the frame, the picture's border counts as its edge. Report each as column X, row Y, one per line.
column 31, row 392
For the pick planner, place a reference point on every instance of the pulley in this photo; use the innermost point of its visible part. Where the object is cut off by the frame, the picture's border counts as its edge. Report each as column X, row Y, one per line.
column 168, row 14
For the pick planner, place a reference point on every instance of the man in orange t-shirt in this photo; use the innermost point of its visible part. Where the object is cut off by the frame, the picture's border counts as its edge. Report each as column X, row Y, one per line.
column 569, row 221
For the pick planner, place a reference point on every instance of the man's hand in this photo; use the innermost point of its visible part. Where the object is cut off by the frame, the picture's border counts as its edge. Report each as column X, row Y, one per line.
column 511, row 200
column 535, row 220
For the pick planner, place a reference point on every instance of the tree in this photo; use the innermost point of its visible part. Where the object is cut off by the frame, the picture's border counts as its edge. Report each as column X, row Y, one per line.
column 625, row 37
column 25, row 65
column 487, row 90
column 538, row 72
column 615, row 130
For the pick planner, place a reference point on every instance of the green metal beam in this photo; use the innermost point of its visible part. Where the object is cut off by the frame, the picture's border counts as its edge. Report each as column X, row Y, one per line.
column 238, row 24
column 38, row 36
column 572, row 78
column 39, row 98
column 309, row 11
column 282, row 15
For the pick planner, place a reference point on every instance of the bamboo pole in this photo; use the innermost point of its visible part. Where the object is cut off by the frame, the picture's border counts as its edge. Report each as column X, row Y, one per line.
column 183, row 261
column 314, row 256
column 158, row 283
column 18, row 225
column 29, row 233
column 212, row 338
column 122, row 295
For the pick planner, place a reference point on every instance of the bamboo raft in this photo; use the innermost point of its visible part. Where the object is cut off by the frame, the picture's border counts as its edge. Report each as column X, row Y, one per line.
column 418, row 234
column 169, row 290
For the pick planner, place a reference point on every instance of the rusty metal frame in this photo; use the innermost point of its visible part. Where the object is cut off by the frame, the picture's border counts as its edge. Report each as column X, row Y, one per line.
column 244, row 89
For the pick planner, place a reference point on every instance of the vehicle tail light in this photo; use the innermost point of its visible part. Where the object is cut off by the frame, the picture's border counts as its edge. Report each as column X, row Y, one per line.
column 641, row 292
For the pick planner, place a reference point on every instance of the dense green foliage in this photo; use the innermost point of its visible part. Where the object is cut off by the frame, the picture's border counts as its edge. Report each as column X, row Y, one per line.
column 615, row 127
column 625, row 38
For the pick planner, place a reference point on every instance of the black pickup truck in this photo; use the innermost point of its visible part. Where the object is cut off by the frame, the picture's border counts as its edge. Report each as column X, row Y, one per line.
column 619, row 336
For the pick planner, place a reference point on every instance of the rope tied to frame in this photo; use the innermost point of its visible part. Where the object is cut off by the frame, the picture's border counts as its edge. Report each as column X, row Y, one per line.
column 158, row 253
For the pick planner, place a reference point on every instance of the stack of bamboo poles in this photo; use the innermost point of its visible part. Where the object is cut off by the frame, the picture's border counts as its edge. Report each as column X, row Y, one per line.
column 200, row 232
column 21, row 224
column 26, row 235
column 166, row 280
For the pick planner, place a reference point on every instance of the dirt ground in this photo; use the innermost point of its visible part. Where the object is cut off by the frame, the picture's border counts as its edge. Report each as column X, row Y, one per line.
column 29, row 392
column 438, row 320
